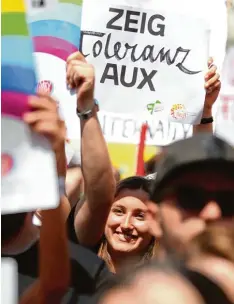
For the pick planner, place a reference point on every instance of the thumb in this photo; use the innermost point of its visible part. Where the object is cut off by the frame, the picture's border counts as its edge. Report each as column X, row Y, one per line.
column 76, row 56
column 210, row 61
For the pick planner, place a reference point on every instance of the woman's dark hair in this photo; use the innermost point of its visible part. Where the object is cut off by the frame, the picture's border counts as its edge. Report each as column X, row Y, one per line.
column 134, row 183
column 11, row 225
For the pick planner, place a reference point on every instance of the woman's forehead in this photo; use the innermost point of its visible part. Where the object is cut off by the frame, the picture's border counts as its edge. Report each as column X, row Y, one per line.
column 137, row 193
column 131, row 198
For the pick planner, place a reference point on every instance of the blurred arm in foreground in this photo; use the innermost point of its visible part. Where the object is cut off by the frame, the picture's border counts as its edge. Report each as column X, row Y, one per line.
column 54, row 259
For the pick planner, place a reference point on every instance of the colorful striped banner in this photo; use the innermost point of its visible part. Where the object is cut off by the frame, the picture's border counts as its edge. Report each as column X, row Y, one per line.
column 57, row 32
column 18, row 75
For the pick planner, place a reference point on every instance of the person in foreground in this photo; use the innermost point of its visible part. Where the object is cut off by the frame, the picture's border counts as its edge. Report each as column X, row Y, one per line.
column 194, row 191
column 18, row 231
column 212, row 255
column 154, row 283
column 194, row 188
column 51, row 268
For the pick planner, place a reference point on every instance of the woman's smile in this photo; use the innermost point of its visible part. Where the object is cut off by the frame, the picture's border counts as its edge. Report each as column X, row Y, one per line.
column 126, row 237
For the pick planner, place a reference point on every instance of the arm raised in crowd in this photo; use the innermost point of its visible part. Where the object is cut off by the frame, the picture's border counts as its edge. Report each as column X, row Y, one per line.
column 99, row 182
column 212, row 86
column 54, row 257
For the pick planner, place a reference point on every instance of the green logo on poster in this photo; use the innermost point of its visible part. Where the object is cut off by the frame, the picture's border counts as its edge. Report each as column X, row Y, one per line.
column 155, row 107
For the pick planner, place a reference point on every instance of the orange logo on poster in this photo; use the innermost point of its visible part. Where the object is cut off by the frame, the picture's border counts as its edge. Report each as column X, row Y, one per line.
column 6, row 163
column 178, row 111
column 45, row 86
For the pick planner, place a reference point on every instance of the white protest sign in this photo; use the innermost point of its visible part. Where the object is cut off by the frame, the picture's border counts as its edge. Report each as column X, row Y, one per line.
column 228, row 69
column 126, row 128
column 29, row 178
column 56, row 34
column 146, row 56
column 9, row 281
column 225, row 115
column 28, row 167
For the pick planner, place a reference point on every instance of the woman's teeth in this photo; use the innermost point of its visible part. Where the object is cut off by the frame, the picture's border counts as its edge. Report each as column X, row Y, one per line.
column 127, row 236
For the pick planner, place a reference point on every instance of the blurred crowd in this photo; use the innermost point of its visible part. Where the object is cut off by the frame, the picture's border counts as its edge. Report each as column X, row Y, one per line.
column 166, row 237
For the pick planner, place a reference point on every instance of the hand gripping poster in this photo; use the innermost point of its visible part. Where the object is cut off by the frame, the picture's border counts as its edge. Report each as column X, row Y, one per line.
column 28, row 168
column 147, row 60
column 55, row 31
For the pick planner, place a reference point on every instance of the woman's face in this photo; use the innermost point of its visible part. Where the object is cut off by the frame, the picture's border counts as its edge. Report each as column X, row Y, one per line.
column 126, row 228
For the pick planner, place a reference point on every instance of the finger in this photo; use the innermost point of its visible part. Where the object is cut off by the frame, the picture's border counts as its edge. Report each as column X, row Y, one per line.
column 42, row 103
column 212, row 81
column 72, row 68
column 69, row 66
column 46, row 128
column 211, row 72
column 217, row 84
column 215, row 87
column 70, row 78
column 35, row 116
column 76, row 56
column 76, row 74
column 210, row 61
column 46, row 95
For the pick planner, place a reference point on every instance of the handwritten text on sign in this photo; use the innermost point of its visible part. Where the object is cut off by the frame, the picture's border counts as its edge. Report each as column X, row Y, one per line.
column 136, row 52
column 155, row 26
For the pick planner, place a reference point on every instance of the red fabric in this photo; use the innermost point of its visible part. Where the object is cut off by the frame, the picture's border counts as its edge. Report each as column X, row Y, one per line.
column 140, row 171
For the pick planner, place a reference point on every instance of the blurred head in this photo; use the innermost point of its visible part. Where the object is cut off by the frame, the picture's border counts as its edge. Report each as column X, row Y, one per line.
column 194, row 188
column 126, row 231
column 153, row 286
column 212, row 254
column 18, row 233
column 151, row 164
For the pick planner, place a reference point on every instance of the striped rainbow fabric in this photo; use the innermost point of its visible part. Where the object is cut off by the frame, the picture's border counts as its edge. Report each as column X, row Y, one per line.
column 18, row 75
column 57, row 31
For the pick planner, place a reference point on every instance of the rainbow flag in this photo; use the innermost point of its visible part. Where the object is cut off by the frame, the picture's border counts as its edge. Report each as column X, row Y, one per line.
column 57, row 31
column 18, row 75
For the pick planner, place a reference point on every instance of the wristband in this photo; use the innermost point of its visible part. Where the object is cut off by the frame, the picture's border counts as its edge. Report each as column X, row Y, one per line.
column 62, row 186
column 205, row 121
column 85, row 115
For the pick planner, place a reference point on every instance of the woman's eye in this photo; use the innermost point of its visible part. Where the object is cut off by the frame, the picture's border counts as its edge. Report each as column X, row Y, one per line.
column 141, row 216
column 118, row 211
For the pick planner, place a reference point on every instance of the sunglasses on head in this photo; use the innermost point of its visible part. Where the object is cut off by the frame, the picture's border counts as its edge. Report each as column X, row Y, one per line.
column 134, row 184
column 195, row 198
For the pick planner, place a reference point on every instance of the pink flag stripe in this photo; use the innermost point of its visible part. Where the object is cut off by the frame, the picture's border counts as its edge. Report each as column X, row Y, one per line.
column 14, row 104
column 54, row 46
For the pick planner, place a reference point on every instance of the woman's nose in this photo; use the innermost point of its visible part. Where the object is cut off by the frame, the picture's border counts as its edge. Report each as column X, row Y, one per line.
column 127, row 222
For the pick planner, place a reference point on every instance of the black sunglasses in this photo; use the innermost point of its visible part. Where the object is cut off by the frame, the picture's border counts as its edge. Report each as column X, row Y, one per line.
column 195, row 198
column 134, row 183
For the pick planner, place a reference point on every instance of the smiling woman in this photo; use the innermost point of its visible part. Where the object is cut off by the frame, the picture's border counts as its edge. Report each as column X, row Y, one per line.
column 126, row 234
